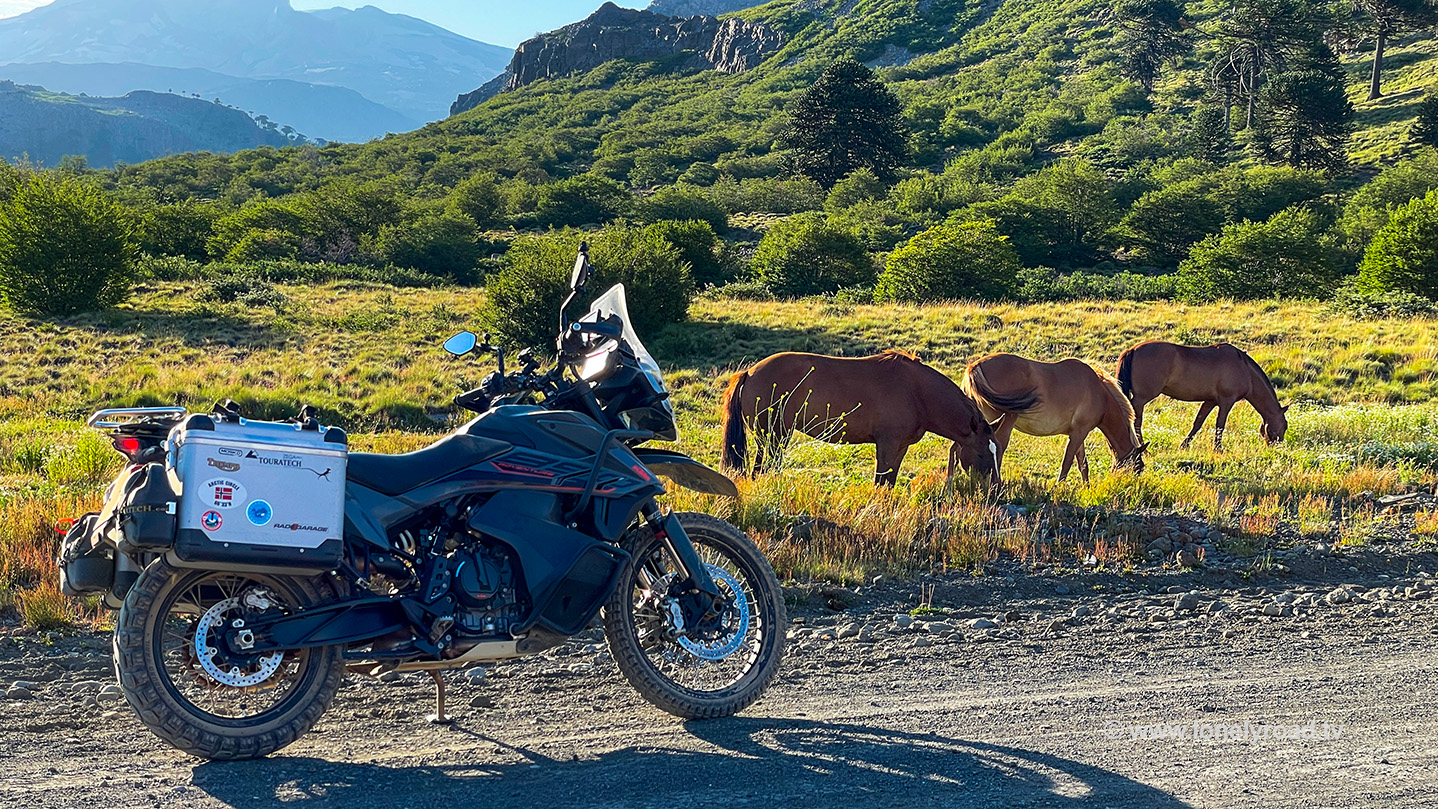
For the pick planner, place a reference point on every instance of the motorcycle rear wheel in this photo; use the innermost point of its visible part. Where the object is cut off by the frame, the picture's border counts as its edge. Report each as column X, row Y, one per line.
column 698, row 677
column 217, row 708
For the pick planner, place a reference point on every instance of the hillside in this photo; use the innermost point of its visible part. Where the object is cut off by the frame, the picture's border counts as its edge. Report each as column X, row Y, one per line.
column 410, row 66
column 320, row 111
column 46, row 126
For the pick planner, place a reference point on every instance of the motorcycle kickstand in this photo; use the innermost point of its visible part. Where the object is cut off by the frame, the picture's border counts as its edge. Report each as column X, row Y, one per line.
column 438, row 717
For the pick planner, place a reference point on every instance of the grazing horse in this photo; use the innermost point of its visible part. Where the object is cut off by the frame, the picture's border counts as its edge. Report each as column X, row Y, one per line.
column 1217, row 375
column 889, row 400
column 1069, row 397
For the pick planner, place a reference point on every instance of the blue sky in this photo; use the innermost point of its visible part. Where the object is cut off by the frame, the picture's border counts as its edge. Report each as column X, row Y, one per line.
column 501, row 22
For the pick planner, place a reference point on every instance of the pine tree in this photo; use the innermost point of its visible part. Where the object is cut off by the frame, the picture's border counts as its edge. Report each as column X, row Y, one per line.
column 1151, row 33
column 847, row 120
column 1388, row 18
column 1210, row 138
column 1304, row 117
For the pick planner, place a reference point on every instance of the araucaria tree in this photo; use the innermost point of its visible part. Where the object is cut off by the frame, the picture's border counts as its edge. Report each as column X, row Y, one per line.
column 847, row 120
column 1388, row 18
column 1305, row 117
column 1258, row 39
column 1425, row 128
column 1151, row 33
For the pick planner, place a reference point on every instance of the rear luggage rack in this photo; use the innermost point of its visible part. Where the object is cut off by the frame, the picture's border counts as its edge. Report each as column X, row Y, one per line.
column 124, row 416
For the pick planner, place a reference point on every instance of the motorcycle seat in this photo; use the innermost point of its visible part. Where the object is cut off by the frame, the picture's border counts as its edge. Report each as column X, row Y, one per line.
column 397, row 474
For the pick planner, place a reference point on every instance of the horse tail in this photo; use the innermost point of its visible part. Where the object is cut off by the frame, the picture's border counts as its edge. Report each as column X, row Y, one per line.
column 977, row 386
column 735, row 442
column 1125, row 373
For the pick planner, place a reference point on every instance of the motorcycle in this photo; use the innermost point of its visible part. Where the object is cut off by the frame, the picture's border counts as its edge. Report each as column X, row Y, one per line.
column 501, row 540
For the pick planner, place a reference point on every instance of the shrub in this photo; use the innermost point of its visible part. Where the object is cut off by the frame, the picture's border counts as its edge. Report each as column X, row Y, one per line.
column 862, row 185
column 1061, row 214
column 522, row 299
column 1352, row 301
column 1404, row 254
column 282, row 222
column 698, row 246
column 444, row 243
column 479, row 199
column 1425, row 125
column 1284, row 256
column 949, row 262
column 1042, row 284
column 243, row 289
column 182, row 229
column 1371, row 206
column 264, row 245
column 584, row 200
column 809, row 255
column 64, row 247
column 43, row 607
column 767, row 195
column 681, row 203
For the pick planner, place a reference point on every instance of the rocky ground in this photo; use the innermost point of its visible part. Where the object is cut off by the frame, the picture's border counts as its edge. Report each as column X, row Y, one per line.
column 1306, row 680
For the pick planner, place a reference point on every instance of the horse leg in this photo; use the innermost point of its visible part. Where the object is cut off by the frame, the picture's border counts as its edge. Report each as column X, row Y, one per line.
column 1082, row 457
column 1203, row 411
column 1002, row 434
column 1071, row 452
column 887, row 457
column 1138, row 419
column 1219, row 424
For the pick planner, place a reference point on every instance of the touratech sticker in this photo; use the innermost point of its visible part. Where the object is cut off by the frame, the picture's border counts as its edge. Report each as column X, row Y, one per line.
column 211, row 520
column 295, row 526
column 259, row 512
column 223, row 466
column 289, row 461
column 223, row 492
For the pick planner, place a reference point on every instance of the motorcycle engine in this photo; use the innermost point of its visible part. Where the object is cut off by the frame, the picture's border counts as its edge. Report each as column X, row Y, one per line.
column 485, row 590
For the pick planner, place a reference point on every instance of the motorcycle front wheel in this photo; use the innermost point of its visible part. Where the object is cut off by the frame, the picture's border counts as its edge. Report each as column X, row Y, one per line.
column 703, row 672
column 194, row 692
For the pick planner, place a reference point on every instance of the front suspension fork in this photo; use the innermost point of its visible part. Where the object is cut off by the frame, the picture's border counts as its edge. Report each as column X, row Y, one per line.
column 705, row 598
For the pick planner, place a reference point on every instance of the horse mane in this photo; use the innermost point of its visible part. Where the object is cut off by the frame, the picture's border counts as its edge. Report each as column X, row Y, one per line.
column 1253, row 363
column 889, row 354
column 1115, row 391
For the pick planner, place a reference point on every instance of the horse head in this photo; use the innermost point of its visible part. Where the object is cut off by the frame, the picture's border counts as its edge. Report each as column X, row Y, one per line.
column 1273, row 429
column 978, row 453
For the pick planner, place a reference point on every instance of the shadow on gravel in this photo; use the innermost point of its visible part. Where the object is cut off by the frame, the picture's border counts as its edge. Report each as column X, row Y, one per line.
column 771, row 762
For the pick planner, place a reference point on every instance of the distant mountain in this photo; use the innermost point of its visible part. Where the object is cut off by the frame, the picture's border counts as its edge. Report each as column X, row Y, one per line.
column 405, row 64
column 689, row 8
column 47, row 126
column 320, row 111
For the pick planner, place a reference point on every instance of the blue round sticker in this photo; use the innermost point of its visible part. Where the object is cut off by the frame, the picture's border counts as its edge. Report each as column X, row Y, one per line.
column 259, row 512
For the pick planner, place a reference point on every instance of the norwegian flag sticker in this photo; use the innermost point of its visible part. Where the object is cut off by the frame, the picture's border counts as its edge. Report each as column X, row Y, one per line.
column 224, row 493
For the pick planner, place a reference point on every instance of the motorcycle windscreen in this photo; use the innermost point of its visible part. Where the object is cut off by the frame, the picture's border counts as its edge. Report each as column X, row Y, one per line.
column 614, row 302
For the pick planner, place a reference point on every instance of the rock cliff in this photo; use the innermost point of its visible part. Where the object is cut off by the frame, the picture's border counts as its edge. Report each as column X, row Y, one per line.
column 705, row 43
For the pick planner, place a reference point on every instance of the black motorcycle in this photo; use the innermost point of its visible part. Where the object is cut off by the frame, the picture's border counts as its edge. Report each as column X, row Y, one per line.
column 499, row 541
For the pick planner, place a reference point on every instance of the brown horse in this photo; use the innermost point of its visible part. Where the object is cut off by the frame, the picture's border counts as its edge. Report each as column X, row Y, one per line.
column 889, row 400
column 1069, row 397
column 1217, row 375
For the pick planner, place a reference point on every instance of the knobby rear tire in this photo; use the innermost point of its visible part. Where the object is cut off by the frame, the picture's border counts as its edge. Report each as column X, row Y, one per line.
column 708, row 533
column 140, row 668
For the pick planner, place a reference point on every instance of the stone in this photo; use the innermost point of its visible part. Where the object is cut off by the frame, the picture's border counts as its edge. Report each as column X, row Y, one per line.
column 981, row 623
column 1062, row 589
column 903, row 620
column 1162, row 545
column 849, row 631
column 19, row 693
column 922, row 642
column 938, row 627
column 1273, row 609
column 1012, row 616
column 1186, row 601
column 1188, row 558
column 1284, row 598
column 1081, row 612
column 86, row 686
column 482, row 701
column 1338, row 596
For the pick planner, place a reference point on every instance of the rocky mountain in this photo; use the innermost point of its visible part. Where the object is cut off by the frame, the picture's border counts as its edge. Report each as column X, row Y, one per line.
column 692, row 43
column 405, row 64
column 46, row 126
column 320, row 111
column 689, row 8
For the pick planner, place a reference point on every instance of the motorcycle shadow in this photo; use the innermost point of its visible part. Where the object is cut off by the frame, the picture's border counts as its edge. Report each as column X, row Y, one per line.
column 776, row 762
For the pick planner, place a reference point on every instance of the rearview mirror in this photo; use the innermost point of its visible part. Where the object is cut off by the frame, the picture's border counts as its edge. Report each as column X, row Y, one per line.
column 580, row 277
column 461, row 343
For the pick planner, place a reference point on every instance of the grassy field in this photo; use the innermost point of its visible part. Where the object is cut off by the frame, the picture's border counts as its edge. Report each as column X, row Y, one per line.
column 1364, row 418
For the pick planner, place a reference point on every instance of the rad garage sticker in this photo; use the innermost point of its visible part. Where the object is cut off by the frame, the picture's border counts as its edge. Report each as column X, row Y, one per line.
column 222, row 493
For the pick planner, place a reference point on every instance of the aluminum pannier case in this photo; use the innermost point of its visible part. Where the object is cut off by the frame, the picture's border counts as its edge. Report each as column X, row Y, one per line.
column 259, row 496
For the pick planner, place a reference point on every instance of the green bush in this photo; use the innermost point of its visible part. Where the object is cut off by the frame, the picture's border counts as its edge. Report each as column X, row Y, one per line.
column 949, row 262
column 182, row 229
column 698, row 246
column 767, row 195
column 281, row 225
column 1284, row 256
column 1043, row 284
column 64, row 247
column 444, row 243
column 861, row 185
column 1403, row 256
column 809, row 255
column 1060, row 215
column 264, row 245
column 478, row 198
column 679, row 203
column 584, row 200
column 522, row 299
column 244, row 289
column 1354, row 302
column 1370, row 207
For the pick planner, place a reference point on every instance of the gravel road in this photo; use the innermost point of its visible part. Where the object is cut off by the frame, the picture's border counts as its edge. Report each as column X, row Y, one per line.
column 1156, row 689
